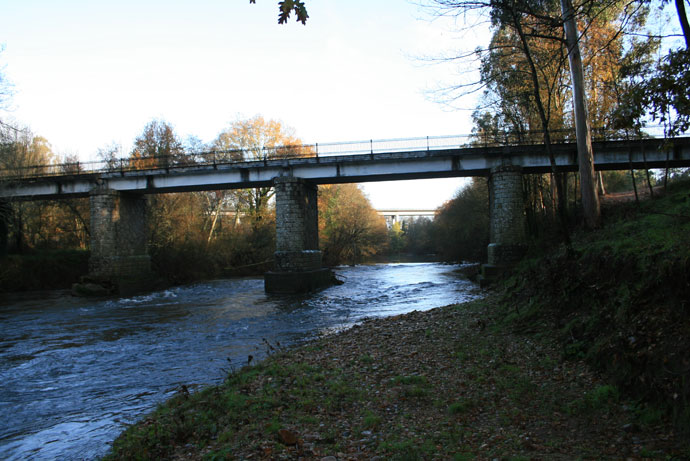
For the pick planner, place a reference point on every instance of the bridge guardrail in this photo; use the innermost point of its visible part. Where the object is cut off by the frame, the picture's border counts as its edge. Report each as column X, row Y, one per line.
column 317, row 150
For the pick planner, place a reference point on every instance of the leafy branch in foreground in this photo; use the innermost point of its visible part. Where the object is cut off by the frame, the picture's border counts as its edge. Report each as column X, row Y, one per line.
column 287, row 7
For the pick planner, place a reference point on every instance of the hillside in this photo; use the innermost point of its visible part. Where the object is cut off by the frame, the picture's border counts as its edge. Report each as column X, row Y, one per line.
column 623, row 303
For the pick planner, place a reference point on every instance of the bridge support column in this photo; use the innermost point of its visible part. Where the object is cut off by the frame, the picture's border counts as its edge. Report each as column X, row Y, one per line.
column 119, row 261
column 297, row 257
column 508, row 234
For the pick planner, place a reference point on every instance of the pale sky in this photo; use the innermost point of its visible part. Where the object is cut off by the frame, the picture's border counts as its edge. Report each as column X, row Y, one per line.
column 89, row 73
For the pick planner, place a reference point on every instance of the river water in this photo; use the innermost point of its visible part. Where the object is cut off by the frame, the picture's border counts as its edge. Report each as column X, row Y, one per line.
column 74, row 371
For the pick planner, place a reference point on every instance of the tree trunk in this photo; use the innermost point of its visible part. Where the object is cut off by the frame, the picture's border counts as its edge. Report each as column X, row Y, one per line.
column 683, row 18
column 585, row 155
column 214, row 222
column 5, row 212
column 600, row 181
column 19, row 232
column 560, row 189
column 646, row 169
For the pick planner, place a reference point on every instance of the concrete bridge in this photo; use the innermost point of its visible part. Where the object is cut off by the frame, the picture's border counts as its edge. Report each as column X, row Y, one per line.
column 395, row 216
column 118, row 206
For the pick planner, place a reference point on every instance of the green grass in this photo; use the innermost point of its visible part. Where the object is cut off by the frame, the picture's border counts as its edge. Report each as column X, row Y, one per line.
column 413, row 386
column 371, row 420
column 410, row 380
column 274, row 394
column 461, row 407
column 617, row 304
column 600, row 400
column 407, row 450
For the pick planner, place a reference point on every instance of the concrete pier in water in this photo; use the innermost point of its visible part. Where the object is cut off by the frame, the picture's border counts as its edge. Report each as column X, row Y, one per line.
column 119, row 260
column 297, row 266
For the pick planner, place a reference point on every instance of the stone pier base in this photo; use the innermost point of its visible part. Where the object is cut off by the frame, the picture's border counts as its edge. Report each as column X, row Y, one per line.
column 298, row 282
column 508, row 231
column 297, row 266
column 119, row 261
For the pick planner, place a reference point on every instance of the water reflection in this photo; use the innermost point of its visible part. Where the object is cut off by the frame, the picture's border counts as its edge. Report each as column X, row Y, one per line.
column 73, row 371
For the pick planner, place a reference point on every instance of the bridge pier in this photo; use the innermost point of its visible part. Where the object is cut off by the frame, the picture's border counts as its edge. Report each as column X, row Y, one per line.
column 297, row 266
column 508, row 225
column 119, row 260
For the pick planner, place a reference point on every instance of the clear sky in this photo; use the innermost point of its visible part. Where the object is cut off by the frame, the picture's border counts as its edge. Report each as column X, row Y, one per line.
column 88, row 73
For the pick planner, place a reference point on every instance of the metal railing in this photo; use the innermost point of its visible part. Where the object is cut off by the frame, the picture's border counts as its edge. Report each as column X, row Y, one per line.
column 217, row 158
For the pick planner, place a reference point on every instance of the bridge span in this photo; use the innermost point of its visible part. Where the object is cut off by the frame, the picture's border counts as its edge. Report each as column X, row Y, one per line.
column 118, row 206
column 211, row 174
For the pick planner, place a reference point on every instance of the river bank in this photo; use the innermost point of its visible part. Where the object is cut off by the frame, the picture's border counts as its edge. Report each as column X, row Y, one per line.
column 446, row 384
column 574, row 356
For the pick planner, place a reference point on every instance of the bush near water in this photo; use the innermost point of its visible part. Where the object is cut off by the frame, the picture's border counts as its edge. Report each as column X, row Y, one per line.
column 42, row 270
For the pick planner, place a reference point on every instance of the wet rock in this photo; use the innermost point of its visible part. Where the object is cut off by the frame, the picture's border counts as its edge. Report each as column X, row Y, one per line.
column 90, row 289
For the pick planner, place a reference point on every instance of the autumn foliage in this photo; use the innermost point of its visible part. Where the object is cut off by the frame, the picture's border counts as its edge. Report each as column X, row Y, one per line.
column 350, row 230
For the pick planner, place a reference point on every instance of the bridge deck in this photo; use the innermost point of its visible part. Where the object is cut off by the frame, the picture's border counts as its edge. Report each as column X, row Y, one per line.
column 354, row 168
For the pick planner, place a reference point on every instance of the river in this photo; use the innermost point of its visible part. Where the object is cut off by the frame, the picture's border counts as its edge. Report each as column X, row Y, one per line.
column 75, row 371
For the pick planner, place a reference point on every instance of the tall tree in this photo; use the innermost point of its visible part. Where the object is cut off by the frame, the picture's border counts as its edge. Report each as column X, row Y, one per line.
column 109, row 156
column 23, row 154
column 157, row 147
column 170, row 216
column 684, row 23
column 535, row 31
column 257, row 139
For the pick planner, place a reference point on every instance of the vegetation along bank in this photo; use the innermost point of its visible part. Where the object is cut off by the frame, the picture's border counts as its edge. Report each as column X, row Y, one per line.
column 571, row 357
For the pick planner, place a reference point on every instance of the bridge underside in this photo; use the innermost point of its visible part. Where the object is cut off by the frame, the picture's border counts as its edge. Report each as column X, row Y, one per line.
column 118, row 234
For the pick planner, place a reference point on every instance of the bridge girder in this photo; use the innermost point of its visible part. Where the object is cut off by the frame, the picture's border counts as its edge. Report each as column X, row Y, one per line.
column 461, row 162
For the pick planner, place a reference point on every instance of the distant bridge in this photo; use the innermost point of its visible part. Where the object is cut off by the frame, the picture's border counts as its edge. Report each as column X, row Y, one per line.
column 393, row 216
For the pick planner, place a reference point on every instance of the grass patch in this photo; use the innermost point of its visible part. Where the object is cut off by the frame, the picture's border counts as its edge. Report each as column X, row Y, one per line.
column 413, row 386
column 371, row 420
column 264, row 398
column 410, row 380
column 622, row 303
column 461, row 407
column 366, row 359
column 408, row 450
column 601, row 399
